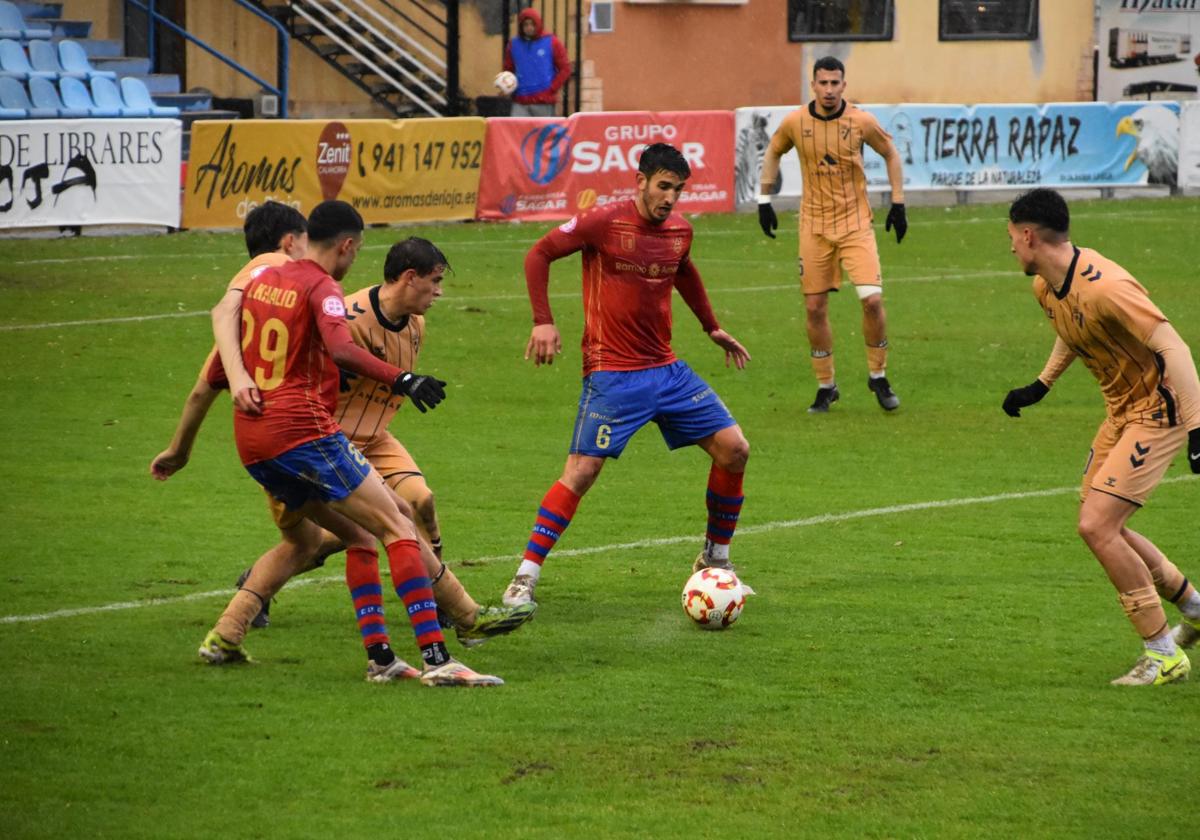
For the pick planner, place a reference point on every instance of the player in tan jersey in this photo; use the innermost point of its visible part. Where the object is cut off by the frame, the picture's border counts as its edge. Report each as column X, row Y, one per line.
column 1105, row 318
column 835, row 221
column 389, row 321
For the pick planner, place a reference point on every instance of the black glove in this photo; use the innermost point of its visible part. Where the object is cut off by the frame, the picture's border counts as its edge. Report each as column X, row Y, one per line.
column 766, row 218
column 1019, row 398
column 896, row 219
column 422, row 390
column 1194, row 450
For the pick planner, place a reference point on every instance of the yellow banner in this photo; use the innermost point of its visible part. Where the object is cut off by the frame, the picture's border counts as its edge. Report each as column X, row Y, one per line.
column 390, row 170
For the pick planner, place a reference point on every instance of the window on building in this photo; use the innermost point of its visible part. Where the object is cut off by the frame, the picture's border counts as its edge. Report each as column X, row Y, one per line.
column 839, row 20
column 988, row 20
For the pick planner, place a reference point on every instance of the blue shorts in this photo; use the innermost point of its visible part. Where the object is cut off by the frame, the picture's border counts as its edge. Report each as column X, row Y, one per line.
column 326, row 469
column 616, row 403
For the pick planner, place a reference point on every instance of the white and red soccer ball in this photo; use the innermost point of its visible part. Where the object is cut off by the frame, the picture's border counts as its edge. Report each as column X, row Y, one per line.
column 506, row 82
column 713, row 598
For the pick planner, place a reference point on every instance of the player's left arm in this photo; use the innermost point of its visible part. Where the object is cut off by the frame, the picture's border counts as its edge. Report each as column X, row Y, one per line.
column 1179, row 371
column 562, row 65
column 691, row 289
column 879, row 140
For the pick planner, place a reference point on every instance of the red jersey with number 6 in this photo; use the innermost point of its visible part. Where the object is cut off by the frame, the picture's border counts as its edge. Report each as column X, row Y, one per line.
column 630, row 267
column 283, row 349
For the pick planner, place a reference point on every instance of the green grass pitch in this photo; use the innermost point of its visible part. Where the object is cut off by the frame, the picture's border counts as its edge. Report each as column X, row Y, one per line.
column 928, row 655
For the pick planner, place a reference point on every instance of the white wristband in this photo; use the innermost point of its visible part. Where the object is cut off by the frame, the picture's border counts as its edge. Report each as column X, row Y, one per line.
column 763, row 198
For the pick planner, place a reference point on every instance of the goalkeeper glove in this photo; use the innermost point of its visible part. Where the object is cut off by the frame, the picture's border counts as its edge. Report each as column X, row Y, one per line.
column 1194, row 450
column 896, row 219
column 1019, row 398
column 422, row 390
column 766, row 216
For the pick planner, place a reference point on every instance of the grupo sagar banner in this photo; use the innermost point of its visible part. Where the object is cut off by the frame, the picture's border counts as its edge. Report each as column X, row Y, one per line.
column 554, row 168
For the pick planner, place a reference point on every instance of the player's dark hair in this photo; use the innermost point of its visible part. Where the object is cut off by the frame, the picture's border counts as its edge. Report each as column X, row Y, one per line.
column 333, row 220
column 268, row 223
column 1042, row 207
column 658, row 157
column 829, row 63
column 416, row 253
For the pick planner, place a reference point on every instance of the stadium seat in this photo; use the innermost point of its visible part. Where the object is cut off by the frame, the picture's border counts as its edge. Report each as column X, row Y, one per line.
column 76, row 96
column 12, row 24
column 45, row 97
column 107, row 95
column 137, row 96
column 43, row 55
column 14, row 62
column 13, row 97
column 74, row 61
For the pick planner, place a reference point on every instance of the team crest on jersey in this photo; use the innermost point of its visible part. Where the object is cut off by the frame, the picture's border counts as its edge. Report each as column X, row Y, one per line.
column 334, row 306
column 628, row 242
column 677, row 244
column 1077, row 317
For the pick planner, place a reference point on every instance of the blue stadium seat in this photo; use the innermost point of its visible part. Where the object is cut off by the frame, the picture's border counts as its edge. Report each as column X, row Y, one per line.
column 136, row 96
column 45, row 97
column 75, row 96
column 14, row 62
column 13, row 97
column 43, row 55
column 12, row 24
column 106, row 95
column 74, row 62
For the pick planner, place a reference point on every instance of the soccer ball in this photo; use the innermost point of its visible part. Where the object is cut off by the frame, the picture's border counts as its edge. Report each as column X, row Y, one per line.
column 506, row 82
column 713, row 598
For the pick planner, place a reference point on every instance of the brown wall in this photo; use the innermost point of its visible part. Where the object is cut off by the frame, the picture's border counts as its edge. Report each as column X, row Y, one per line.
column 105, row 15
column 682, row 57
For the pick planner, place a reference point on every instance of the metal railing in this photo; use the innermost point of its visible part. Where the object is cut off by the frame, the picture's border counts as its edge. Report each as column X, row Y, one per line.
column 405, row 65
column 282, row 56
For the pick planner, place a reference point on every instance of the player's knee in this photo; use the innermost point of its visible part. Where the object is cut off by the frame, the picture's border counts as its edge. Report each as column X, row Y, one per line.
column 816, row 307
column 737, row 454
column 1093, row 528
column 423, row 505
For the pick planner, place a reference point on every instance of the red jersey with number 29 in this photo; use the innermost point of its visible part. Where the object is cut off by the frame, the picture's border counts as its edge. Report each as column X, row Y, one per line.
column 285, row 313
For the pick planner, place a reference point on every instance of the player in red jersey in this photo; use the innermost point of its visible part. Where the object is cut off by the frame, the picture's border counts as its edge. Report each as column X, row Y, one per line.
column 294, row 338
column 634, row 254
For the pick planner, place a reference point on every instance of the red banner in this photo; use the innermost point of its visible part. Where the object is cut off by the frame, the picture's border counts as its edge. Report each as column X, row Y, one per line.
column 554, row 168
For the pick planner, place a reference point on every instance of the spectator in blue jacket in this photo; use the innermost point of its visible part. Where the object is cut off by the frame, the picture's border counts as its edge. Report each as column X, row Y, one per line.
column 541, row 64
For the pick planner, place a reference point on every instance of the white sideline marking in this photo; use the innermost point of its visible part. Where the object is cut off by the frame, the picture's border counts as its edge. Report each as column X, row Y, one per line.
column 767, row 527
column 924, row 278
column 491, row 243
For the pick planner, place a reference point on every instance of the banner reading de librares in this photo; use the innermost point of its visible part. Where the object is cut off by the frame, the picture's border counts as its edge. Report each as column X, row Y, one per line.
column 389, row 170
column 68, row 173
column 993, row 146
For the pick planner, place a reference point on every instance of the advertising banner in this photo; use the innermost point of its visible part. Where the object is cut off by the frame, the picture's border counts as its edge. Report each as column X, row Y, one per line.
column 554, row 168
column 390, row 170
column 1149, row 49
column 1189, row 146
column 89, row 172
column 994, row 146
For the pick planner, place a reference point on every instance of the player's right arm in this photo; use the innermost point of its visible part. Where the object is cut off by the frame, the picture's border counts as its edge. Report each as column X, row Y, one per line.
column 195, row 408
column 544, row 341
column 1060, row 359
column 781, row 143
column 1179, row 371
column 227, row 330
